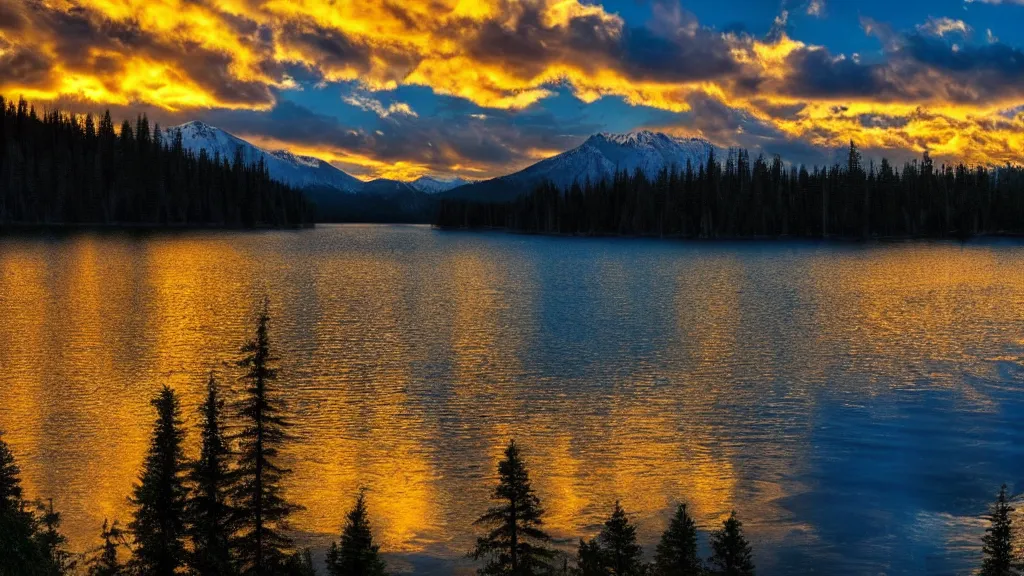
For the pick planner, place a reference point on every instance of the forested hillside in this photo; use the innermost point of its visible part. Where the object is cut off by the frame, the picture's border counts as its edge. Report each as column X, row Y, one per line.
column 63, row 169
column 765, row 198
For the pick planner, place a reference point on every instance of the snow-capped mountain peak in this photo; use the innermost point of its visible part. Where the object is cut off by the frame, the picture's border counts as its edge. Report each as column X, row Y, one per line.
column 432, row 185
column 284, row 166
column 307, row 161
column 600, row 157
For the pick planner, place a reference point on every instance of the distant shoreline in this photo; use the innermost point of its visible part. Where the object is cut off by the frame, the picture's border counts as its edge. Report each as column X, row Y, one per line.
column 677, row 237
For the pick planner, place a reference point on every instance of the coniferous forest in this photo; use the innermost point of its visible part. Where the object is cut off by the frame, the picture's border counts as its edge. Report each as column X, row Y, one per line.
column 225, row 513
column 64, row 169
column 766, row 199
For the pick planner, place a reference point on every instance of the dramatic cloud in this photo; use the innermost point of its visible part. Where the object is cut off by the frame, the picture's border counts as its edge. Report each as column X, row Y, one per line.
column 506, row 60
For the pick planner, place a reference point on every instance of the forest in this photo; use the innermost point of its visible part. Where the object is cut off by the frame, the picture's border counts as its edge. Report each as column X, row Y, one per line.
column 225, row 512
column 64, row 169
column 767, row 199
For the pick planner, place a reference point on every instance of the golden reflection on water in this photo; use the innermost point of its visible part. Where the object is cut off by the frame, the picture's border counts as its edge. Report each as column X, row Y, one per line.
column 410, row 358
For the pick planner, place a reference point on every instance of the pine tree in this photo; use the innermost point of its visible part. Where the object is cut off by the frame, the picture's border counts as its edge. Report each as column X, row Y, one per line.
column 617, row 539
column 300, row 563
column 25, row 541
column 105, row 562
column 731, row 553
column 207, row 510
column 999, row 558
column 676, row 554
column 357, row 555
column 10, row 480
column 590, row 559
column 261, row 511
column 51, row 542
column 515, row 543
column 158, row 526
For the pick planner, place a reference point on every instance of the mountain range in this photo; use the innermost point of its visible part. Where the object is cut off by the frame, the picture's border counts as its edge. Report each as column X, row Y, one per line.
column 342, row 197
column 597, row 158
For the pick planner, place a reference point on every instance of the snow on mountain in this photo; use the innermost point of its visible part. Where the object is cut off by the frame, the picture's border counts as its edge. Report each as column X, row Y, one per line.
column 297, row 171
column 598, row 158
column 602, row 154
column 430, row 185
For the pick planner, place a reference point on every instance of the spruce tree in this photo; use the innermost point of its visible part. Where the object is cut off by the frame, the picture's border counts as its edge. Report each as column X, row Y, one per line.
column 676, row 554
column 590, row 559
column 622, row 555
column 158, row 526
column 24, row 540
column 731, row 553
column 207, row 509
column 261, row 511
column 105, row 561
column 999, row 558
column 515, row 544
column 357, row 555
column 51, row 542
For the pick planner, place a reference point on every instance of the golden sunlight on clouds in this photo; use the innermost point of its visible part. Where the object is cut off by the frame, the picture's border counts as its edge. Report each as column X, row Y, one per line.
column 508, row 54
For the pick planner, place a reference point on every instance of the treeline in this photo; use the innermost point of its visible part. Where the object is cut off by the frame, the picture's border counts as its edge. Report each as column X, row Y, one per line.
column 225, row 513
column 764, row 198
column 68, row 169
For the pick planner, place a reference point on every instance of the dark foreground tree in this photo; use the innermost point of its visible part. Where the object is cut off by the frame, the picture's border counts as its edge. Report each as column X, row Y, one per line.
column 300, row 563
column 261, row 510
column 590, row 559
column 51, row 542
column 29, row 546
column 158, row 526
column 676, row 554
column 731, row 553
column 999, row 558
column 621, row 553
column 207, row 510
column 105, row 561
column 515, row 543
column 357, row 555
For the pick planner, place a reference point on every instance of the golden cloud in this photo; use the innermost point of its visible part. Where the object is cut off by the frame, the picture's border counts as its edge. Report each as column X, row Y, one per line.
column 503, row 54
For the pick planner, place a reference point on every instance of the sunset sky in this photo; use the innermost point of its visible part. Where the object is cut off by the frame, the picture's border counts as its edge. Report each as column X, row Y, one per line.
column 478, row 88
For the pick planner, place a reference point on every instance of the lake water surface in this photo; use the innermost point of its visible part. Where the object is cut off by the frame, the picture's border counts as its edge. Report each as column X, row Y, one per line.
column 858, row 405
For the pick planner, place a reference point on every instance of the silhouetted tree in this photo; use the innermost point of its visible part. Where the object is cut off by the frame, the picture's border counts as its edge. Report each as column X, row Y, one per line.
column 300, row 563
column 747, row 198
column 29, row 546
column 731, row 553
column 621, row 553
column 357, row 555
column 590, row 559
column 51, row 541
column 676, row 554
column 261, row 511
column 999, row 558
column 105, row 561
column 516, row 543
column 208, row 511
column 61, row 168
column 158, row 525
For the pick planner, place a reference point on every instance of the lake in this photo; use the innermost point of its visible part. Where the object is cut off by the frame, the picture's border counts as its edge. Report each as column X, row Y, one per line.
column 858, row 405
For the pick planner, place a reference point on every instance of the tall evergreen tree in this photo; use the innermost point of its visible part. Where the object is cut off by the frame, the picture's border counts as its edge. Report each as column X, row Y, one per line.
column 515, row 543
column 261, row 511
column 52, row 542
column 590, row 559
column 158, row 526
column 731, row 553
column 999, row 558
column 357, row 555
column 676, row 554
column 29, row 546
column 105, row 561
column 622, row 555
column 208, row 510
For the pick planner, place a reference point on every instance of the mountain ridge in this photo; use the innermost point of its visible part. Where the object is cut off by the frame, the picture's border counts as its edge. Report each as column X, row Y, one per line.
column 599, row 157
